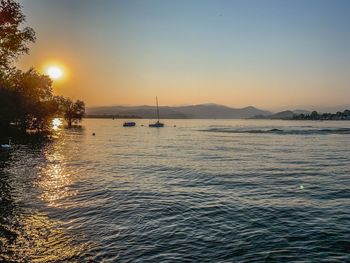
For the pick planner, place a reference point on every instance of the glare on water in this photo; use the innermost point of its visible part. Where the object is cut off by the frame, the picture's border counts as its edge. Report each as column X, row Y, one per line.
column 56, row 123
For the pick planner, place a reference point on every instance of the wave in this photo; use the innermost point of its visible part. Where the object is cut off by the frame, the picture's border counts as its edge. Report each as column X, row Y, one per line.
column 323, row 131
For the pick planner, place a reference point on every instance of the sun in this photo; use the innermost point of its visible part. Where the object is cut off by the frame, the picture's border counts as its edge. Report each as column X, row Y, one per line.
column 54, row 72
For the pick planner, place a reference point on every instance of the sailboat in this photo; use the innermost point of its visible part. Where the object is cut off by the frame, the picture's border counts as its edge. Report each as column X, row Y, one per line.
column 158, row 124
column 129, row 124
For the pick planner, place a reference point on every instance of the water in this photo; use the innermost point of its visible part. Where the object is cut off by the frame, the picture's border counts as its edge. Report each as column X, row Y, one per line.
column 203, row 191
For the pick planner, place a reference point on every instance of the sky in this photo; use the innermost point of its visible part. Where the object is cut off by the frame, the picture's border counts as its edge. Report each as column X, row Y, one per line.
column 272, row 54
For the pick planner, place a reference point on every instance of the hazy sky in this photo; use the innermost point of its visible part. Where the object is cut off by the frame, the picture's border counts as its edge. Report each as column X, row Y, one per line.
column 273, row 54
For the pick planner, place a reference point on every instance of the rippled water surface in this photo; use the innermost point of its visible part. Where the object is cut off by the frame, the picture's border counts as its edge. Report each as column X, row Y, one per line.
column 203, row 191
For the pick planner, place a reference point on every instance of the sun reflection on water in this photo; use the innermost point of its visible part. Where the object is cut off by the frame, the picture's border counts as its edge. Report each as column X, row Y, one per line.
column 40, row 239
column 55, row 178
column 54, row 184
column 56, row 123
column 40, row 186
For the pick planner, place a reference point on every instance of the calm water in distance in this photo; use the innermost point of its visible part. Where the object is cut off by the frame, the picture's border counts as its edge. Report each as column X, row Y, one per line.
column 203, row 191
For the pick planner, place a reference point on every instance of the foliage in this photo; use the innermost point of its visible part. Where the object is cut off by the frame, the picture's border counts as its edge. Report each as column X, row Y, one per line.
column 8, row 102
column 72, row 111
column 27, row 100
column 345, row 115
column 14, row 39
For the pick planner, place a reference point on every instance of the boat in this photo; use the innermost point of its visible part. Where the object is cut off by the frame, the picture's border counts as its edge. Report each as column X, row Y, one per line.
column 157, row 124
column 129, row 124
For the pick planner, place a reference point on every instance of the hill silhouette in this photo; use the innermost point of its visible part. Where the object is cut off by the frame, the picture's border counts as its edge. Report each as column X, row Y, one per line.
column 200, row 111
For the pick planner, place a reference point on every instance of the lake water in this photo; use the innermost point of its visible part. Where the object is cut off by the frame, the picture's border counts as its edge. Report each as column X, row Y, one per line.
column 203, row 191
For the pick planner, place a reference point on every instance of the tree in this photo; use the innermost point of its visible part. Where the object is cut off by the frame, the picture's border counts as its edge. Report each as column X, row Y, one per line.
column 26, row 100
column 314, row 115
column 14, row 38
column 8, row 105
column 346, row 113
column 73, row 112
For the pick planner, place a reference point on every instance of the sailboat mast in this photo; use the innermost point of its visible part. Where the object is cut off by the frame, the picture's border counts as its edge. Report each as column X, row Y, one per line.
column 157, row 108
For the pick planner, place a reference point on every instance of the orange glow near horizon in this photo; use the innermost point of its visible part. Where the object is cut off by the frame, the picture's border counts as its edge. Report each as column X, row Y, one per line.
column 251, row 54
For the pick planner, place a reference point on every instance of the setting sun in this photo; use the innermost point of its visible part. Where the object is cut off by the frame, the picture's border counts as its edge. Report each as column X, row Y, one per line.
column 55, row 72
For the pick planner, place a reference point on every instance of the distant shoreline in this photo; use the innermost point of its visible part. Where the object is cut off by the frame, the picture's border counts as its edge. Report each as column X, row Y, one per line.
column 89, row 116
column 168, row 118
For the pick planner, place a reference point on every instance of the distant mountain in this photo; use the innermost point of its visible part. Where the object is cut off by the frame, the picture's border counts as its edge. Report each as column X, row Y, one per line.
column 201, row 111
column 301, row 112
column 283, row 115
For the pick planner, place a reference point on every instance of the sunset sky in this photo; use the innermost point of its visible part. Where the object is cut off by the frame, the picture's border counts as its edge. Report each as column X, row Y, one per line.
column 273, row 54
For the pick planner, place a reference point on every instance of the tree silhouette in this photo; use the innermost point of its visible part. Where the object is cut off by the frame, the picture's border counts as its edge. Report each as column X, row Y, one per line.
column 345, row 115
column 73, row 111
column 14, row 39
column 27, row 101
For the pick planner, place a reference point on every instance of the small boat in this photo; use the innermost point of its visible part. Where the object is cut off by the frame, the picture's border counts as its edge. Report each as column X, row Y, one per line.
column 129, row 124
column 158, row 124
